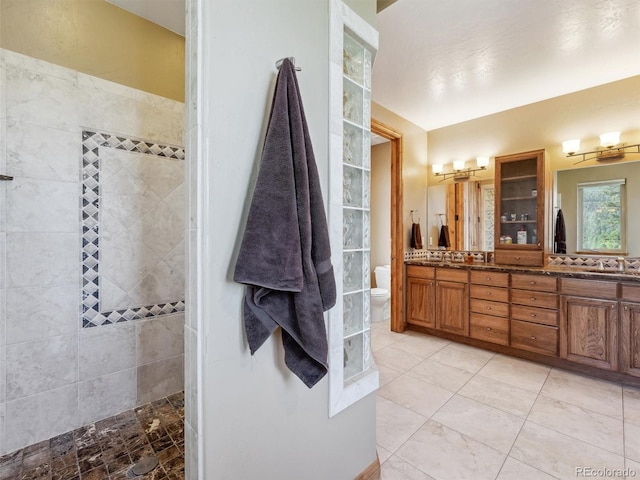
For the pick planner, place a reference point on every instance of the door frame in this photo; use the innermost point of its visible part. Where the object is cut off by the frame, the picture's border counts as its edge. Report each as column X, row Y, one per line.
column 398, row 323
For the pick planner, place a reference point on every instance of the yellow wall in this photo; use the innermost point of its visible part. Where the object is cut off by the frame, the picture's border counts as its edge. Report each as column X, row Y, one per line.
column 96, row 38
column 414, row 166
column 584, row 114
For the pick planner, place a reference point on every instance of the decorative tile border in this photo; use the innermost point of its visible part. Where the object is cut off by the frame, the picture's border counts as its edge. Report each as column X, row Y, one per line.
column 607, row 263
column 448, row 256
column 90, row 245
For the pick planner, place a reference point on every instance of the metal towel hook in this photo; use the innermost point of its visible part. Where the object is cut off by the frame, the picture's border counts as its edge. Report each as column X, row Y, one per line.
column 413, row 220
column 445, row 218
column 292, row 60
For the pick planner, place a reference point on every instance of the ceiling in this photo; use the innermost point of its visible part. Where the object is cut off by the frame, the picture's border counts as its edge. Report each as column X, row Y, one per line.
column 444, row 62
column 167, row 13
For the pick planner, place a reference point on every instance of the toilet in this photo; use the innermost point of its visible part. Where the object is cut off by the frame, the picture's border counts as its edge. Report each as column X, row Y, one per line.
column 380, row 309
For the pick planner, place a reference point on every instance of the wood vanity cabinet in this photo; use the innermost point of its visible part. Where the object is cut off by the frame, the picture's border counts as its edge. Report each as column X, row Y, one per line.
column 589, row 322
column 520, row 207
column 452, row 300
column 421, row 296
column 489, row 306
column 534, row 313
column 630, row 330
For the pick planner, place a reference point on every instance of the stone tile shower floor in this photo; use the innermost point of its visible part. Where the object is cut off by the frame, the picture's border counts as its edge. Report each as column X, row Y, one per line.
column 105, row 450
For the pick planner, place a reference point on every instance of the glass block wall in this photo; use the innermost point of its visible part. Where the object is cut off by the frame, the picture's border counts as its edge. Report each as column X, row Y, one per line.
column 356, row 168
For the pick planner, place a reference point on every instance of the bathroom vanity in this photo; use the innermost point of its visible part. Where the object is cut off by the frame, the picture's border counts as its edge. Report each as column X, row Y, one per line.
column 582, row 320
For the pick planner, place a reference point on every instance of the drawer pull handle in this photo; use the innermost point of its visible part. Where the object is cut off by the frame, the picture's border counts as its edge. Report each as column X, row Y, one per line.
column 488, row 308
column 533, row 282
column 532, row 315
column 533, row 299
column 488, row 329
column 533, row 338
column 488, row 294
column 518, row 258
column 488, row 278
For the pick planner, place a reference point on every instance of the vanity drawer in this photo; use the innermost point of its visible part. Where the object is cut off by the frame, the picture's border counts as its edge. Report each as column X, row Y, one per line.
column 514, row 257
column 589, row 288
column 488, row 328
column 490, row 293
column 535, row 315
column 495, row 279
column 420, row 271
column 490, row 308
column 630, row 292
column 534, row 338
column 452, row 275
column 534, row 299
column 540, row 283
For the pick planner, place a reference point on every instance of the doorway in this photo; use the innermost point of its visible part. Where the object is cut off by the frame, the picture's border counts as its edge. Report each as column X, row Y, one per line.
column 397, row 227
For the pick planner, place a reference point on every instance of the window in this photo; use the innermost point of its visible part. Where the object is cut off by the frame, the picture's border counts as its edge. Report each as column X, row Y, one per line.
column 601, row 217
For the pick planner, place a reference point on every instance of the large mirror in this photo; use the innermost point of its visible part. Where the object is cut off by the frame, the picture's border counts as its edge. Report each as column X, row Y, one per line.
column 597, row 203
column 467, row 209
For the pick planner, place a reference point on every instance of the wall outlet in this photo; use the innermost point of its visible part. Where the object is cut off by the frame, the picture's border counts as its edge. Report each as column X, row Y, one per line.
column 431, row 241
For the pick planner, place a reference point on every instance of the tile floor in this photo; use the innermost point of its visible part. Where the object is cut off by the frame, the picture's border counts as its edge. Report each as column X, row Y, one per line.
column 106, row 449
column 448, row 411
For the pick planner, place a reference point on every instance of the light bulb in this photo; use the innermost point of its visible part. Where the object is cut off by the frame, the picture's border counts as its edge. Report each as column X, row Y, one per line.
column 609, row 139
column 458, row 165
column 571, row 146
column 436, row 168
column 482, row 162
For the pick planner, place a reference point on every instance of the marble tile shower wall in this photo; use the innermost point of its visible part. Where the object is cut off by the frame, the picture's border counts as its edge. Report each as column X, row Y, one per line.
column 55, row 375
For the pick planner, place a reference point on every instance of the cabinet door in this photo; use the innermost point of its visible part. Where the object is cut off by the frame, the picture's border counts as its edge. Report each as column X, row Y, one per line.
column 630, row 345
column 520, row 208
column 589, row 331
column 421, row 301
column 452, row 311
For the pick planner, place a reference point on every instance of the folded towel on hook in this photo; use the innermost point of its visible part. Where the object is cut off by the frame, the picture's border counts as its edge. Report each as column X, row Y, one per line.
column 285, row 257
column 443, row 239
column 416, row 237
column 560, row 237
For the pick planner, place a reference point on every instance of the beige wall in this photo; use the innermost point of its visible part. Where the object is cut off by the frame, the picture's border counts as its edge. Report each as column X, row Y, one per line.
column 584, row 114
column 96, row 38
column 380, row 206
column 414, row 166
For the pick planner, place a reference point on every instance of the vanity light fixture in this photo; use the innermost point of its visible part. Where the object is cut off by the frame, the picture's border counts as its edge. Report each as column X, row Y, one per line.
column 459, row 172
column 610, row 148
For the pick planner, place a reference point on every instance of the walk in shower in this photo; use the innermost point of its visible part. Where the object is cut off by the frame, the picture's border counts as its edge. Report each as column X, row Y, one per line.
column 92, row 258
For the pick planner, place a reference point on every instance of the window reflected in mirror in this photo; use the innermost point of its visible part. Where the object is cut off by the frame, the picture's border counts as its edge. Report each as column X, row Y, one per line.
column 601, row 217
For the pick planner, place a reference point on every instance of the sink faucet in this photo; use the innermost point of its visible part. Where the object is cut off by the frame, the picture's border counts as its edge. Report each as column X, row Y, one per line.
column 621, row 264
column 600, row 265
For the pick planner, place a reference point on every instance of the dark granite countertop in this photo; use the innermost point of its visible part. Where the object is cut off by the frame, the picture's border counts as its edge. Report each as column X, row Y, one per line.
column 570, row 272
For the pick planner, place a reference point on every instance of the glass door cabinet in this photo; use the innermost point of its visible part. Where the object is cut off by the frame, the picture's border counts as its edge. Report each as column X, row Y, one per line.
column 520, row 208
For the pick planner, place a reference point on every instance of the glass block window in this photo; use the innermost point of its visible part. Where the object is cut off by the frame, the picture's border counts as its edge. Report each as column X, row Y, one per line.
column 356, row 194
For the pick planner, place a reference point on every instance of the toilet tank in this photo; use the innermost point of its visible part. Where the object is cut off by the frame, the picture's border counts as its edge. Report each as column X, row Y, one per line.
column 383, row 276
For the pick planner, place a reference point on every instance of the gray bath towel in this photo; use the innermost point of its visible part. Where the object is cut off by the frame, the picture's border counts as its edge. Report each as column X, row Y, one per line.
column 285, row 258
